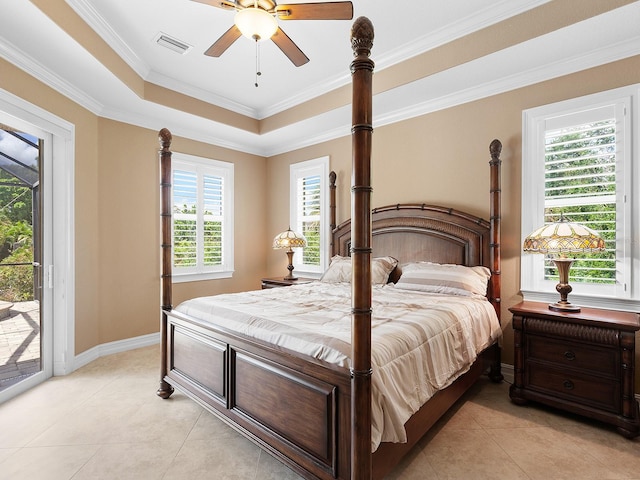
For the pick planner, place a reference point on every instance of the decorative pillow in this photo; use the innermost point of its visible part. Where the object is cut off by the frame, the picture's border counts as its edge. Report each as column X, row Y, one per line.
column 444, row 278
column 340, row 270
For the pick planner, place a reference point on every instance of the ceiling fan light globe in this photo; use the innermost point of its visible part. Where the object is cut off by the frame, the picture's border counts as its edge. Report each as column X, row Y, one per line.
column 256, row 24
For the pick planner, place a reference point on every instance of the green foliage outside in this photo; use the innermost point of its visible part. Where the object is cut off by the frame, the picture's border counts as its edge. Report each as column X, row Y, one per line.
column 580, row 164
column 310, row 225
column 185, row 239
column 16, row 242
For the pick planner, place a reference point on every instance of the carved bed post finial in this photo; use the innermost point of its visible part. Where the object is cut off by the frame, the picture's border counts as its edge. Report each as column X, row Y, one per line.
column 361, row 132
column 362, row 37
column 164, row 136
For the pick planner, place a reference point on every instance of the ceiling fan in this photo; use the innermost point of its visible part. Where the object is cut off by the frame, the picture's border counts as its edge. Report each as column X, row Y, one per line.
column 257, row 19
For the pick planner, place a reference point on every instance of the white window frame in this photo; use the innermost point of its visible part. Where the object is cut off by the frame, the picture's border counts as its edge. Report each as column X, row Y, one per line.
column 297, row 171
column 625, row 294
column 204, row 166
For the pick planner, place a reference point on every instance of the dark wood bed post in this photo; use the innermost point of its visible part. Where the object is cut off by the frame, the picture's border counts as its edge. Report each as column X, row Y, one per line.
column 361, row 131
column 332, row 209
column 164, row 136
column 495, row 148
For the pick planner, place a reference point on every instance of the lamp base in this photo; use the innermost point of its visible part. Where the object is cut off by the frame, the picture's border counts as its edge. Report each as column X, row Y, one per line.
column 563, row 287
column 290, row 266
column 564, row 307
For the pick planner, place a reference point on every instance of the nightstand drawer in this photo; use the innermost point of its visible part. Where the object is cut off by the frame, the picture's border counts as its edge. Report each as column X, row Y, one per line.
column 596, row 392
column 579, row 361
column 590, row 358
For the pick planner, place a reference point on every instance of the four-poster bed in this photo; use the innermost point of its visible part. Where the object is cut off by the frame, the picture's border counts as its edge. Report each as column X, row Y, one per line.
column 310, row 412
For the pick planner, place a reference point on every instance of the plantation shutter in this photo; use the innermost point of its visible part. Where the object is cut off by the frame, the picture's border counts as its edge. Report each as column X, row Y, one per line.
column 202, row 218
column 213, row 219
column 308, row 201
column 185, row 235
column 580, row 184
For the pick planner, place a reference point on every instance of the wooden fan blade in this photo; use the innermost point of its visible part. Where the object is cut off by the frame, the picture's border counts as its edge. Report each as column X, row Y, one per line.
column 219, row 3
column 289, row 48
column 224, row 42
column 316, row 11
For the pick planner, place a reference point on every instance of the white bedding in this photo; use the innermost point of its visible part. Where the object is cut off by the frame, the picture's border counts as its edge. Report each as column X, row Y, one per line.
column 421, row 342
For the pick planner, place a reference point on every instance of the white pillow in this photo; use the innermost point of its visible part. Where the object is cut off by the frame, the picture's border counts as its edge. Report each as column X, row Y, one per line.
column 444, row 278
column 340, row 270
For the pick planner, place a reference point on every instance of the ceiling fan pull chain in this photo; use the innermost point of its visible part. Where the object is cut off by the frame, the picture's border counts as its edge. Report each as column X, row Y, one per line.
column 258, row 72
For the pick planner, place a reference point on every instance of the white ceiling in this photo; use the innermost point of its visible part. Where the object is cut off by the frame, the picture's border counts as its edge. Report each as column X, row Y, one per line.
column 33, row 42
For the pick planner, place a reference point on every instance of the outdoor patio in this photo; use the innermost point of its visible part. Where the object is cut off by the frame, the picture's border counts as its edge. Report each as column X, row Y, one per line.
column 19, row 343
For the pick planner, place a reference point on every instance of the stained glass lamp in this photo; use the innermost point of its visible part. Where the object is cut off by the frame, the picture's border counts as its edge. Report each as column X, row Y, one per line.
column 562, row 238
column 289, row 240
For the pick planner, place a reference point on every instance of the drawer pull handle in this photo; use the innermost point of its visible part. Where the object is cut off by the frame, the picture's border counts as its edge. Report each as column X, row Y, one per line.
column 568, row 384
column 569, row 355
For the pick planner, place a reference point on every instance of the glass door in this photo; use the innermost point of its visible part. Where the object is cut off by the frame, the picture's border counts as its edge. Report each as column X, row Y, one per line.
column 22, row 359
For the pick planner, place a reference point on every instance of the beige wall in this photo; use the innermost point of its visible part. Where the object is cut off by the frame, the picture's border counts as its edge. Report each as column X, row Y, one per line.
column 442, row 158
column 117, row 238
column 437, row 158
column 129, row 226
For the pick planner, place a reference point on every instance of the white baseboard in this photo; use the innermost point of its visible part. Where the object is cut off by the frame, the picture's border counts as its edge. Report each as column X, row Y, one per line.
column 110, row 348
column 507, row 372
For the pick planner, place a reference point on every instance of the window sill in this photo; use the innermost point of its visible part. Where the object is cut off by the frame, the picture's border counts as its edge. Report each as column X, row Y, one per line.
column 609, row 303
column 198, row 277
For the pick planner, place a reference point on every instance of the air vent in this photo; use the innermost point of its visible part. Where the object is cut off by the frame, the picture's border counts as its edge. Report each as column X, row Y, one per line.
column 172, row 43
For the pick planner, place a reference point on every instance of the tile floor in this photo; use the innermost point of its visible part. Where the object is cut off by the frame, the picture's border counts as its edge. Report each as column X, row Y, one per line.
column 19, row 343
column 105, row 422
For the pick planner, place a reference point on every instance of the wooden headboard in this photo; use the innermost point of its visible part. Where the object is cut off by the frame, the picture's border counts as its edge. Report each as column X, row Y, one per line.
column 410, row 232
column 431, row 233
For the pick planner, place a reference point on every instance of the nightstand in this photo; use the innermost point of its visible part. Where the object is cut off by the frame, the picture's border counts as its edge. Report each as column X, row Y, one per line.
column 282, row 282
column 580, row 362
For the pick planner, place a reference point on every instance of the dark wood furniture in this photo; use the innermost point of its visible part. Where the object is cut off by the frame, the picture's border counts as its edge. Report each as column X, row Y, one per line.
column 314, row 416
column 276, row 282
column 580, row 362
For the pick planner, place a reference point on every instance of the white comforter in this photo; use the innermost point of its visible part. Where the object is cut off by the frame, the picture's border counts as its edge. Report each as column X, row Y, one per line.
column 421, row 342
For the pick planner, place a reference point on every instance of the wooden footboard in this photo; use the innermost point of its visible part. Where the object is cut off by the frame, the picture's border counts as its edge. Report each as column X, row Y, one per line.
column 294, row 408
column 298, row 411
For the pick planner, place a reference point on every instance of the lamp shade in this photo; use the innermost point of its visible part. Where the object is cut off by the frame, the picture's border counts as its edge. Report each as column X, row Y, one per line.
column 563, row 237
column 256, row 23
column 289, row 239
column 560, row 238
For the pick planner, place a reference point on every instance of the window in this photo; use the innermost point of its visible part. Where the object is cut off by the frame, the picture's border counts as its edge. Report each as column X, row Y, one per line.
column 310, row 213
column 577, row 158
column 202, row 218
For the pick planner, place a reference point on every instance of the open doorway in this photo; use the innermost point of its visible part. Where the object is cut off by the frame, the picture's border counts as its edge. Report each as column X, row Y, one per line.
column 21, row 348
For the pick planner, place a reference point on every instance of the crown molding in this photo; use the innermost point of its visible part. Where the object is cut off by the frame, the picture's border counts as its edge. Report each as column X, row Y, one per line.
column 499, row 72
column 99, row 25
column 465, row 26
column 24, row 62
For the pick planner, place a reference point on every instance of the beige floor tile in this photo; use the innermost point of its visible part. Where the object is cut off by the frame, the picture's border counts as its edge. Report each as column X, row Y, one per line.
column 469, row 454
column 85, row 425
column 616, row 453
column 415, row 466
column 129, row 461
column 47, row 463
column 156, row 420
column 271, row 469
column 231, row 459
column 208, row 427
column 546, row 453
column 106, row 421
column 6, row 453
